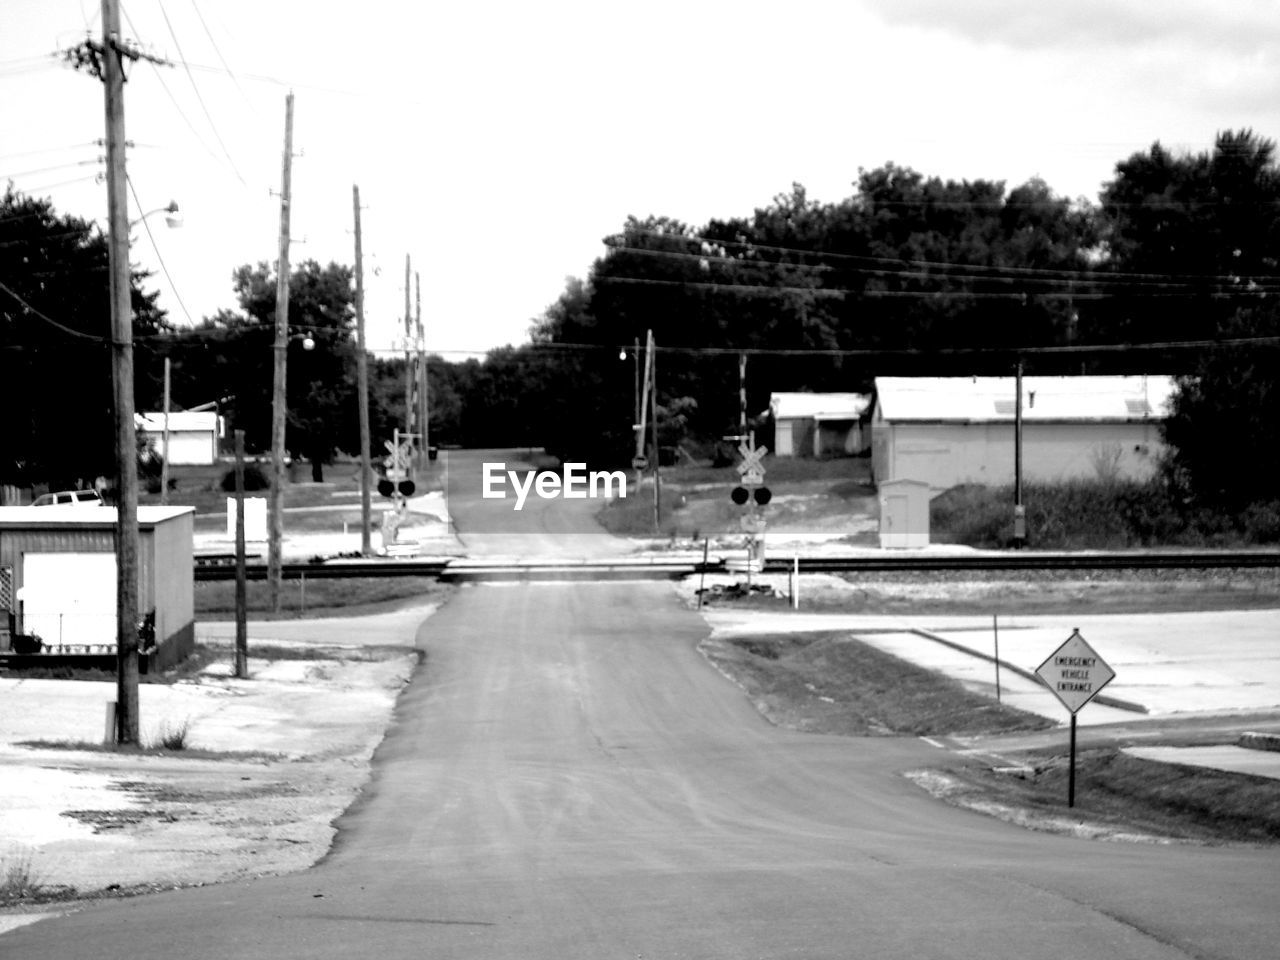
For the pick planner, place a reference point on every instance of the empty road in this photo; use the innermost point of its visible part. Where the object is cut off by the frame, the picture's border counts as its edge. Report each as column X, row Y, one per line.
column 568, row 778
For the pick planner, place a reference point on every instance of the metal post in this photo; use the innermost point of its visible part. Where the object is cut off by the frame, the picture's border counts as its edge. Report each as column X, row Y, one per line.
column 702, row 583
column 995, row 629
column 1019, row 511
column 127, row 722
column 1071, row 770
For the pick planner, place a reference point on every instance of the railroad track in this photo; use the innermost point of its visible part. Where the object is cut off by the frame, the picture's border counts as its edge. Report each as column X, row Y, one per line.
column 463, row 569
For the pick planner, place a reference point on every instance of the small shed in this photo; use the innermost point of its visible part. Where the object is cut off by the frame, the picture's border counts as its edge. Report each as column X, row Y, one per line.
column 58, row 580
column 193, row 436
column 904, row 513
column 953, row 430
column 818, row 424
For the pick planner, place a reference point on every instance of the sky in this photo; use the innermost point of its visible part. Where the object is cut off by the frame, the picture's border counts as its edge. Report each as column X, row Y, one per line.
column 496, row 144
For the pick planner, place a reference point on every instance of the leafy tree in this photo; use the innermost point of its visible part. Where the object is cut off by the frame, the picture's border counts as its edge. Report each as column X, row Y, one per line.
column 55, row 335
column 1197, row 236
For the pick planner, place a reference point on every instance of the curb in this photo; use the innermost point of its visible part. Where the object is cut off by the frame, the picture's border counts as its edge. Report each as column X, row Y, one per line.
column 1102, row 698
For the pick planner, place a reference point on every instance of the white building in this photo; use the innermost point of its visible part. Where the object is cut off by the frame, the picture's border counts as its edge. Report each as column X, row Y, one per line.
column 952, row 430
column 193, row 435
column 818, row 424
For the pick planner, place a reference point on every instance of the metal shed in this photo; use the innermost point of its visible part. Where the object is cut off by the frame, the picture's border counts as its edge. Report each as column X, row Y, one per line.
column 58, row 580
column 818, row 424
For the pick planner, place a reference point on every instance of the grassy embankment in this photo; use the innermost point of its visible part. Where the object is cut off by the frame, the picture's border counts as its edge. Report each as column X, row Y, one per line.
column 832, row 683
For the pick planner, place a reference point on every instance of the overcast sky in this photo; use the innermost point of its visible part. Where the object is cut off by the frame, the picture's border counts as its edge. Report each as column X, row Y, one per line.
column 497, row 143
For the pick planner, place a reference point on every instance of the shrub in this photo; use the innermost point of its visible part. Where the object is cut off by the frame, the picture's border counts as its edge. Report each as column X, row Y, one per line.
column 255, row 478
column 1261, row 522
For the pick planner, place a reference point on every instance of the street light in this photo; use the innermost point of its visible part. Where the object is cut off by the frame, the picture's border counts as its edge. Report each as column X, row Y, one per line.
column 173, row 220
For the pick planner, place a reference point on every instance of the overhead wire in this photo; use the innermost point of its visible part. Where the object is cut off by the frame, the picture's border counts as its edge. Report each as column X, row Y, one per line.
column 199, row 97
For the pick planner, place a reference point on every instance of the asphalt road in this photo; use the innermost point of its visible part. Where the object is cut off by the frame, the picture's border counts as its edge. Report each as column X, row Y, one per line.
column 568, row 778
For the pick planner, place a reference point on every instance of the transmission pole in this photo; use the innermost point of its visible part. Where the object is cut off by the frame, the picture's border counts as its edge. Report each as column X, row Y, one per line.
column 420, row 344
column 362, row 377
column 408, row 359
column 275, row 534
column 112, row 70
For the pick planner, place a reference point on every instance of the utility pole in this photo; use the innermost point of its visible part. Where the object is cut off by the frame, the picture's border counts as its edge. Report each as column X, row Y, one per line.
column 408, row 360
column 742, row 394
column 113, row 54
column 164, row 462
column 420, row 344
column 275, row 533
column 657, row 452
column 362, row 378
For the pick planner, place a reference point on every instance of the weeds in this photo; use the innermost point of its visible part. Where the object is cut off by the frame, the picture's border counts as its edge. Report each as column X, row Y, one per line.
column 172, row 737
column 18, row 879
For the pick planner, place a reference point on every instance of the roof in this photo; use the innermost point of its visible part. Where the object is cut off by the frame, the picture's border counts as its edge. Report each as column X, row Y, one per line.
column 178, row 420
column 819, row 406
column 987, row 399
column 73, row 516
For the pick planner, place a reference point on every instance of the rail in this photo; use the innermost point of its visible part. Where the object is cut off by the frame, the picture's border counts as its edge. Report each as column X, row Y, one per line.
column 207, row 569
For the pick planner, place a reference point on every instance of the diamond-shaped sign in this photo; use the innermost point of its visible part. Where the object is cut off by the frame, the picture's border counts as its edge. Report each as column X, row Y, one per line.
column 1075, row 673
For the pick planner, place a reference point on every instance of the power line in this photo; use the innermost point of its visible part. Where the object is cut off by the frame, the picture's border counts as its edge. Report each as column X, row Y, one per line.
column 48, row 319
column 203, row 106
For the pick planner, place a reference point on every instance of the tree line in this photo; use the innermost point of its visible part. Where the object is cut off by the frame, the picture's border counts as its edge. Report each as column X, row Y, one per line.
column 908, row 275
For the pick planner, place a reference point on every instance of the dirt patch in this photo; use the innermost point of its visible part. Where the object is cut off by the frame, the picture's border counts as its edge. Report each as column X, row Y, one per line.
column 80, row 822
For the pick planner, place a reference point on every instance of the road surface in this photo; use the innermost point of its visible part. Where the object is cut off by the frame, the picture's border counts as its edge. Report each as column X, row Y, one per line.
column 568, row 778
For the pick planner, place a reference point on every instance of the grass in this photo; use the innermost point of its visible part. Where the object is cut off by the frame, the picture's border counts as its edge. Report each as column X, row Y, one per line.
column 807, row 495
column 831, row 683
column 828, row 682
column 1129, row 794
column 215, row 599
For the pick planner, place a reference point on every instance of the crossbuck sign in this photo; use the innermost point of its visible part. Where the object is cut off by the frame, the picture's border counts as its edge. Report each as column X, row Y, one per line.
column 751, row 468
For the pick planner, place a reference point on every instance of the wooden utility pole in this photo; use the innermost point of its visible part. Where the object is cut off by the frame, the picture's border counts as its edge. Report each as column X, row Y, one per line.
column 242, row 615
column 164, row 462
column 657, row 452
column 420, row 344
column 275, row 504
column 362, row 377
column 112, row 67
column 408, row 360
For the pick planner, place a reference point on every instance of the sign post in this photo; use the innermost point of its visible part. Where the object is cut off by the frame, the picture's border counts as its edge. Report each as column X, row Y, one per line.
column 1075, row 674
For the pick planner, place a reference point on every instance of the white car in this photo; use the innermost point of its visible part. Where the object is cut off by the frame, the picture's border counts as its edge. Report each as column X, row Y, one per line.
column 71, row 498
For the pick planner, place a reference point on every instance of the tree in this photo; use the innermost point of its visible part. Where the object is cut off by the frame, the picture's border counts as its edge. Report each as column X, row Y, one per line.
column 55, row 335
column 1198, row 235
column 229, row 356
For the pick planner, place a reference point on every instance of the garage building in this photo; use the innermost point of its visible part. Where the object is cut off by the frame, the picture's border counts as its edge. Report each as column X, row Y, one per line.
column 952, row 430
column 818, row 424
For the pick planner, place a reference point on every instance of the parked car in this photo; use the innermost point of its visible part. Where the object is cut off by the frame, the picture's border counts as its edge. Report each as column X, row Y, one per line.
column 73, row 498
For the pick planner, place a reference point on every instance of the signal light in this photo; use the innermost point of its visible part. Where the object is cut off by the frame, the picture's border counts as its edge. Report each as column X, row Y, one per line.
column 763, row 495
column 406, row 488
column 739, row 495
column 385, row 487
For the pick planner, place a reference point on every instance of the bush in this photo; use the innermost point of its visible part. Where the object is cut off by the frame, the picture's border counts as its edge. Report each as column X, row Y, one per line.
column 255, row 478
column 1096, row 514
